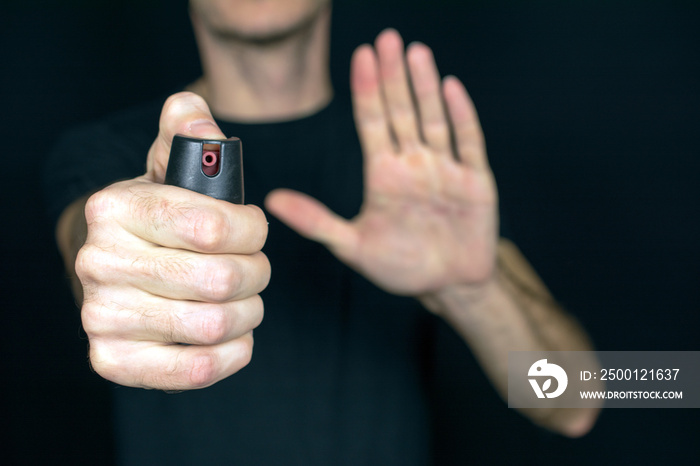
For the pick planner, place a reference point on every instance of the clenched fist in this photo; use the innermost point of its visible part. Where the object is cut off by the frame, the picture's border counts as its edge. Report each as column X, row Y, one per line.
column 170, row 278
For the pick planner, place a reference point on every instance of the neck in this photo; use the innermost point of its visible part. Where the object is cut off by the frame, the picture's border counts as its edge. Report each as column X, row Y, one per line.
column 266, row 81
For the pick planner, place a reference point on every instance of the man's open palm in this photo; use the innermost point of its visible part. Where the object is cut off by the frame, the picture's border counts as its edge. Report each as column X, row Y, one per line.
column 429, row 216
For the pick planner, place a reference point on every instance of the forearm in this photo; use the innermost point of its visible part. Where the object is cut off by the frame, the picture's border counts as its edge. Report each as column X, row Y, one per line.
column 514, row 312
column 71, row 232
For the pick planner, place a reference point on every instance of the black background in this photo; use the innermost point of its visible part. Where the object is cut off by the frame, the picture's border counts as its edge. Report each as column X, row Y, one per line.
column 590, row 110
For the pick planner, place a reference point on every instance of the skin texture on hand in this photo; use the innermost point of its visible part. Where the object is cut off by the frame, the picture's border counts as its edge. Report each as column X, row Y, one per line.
column 163, row 266
column 429, row 216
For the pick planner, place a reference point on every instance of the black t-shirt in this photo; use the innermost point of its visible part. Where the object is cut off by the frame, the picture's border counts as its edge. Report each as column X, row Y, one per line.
column 339, row 369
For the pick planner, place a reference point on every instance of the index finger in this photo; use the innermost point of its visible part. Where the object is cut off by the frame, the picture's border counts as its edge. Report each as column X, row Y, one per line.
column 178, row 218
column 183, row 113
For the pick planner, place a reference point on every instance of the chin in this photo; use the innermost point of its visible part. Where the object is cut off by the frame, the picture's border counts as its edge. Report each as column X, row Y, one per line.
column 257, row 20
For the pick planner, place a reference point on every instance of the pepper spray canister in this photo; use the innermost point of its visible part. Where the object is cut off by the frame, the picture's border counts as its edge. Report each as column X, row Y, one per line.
column 208, row 166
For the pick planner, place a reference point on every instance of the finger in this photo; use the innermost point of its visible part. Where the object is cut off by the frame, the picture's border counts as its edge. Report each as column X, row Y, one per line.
column 169, row 367
column 369, row 111
column 174, row 274
column 426, row 86
column 183, row 113
column 138, row 316
column 178, row 218
column 313, row 220
column 212, row 278
column 397, row 91
column 469, row 138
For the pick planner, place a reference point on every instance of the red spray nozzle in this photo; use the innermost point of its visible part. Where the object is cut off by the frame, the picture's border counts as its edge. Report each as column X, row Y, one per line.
column 210, row 159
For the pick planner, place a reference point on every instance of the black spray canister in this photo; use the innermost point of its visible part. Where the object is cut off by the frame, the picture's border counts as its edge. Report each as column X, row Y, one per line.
column 208, row 166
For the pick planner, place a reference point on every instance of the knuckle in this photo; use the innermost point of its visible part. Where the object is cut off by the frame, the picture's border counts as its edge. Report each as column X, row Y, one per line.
column 102, row 360
column 214, row 326
column 90, row 262
column 204, row 370
column 210, row 232
column 83, row 262
column 221, row 282
column 98, row 206
column 92, row 319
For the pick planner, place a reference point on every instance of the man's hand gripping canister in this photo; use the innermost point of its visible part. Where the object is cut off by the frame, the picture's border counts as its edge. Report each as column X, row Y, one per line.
column 207, row 166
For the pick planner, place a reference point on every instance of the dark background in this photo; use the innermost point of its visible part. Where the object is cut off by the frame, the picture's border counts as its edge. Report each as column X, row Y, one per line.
column 590, row 110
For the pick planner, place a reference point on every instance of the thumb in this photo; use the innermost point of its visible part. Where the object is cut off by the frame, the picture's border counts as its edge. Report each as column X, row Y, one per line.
column 183, row 113
column 313, row 220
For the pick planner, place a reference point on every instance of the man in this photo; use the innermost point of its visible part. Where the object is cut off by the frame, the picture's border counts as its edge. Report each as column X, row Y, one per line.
column 170, row 280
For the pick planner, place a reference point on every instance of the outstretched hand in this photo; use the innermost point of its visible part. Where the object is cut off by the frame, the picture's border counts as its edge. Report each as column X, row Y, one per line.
column 429, row 217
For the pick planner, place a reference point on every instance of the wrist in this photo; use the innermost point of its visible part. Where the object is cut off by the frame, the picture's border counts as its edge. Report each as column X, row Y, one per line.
column 459, row 300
